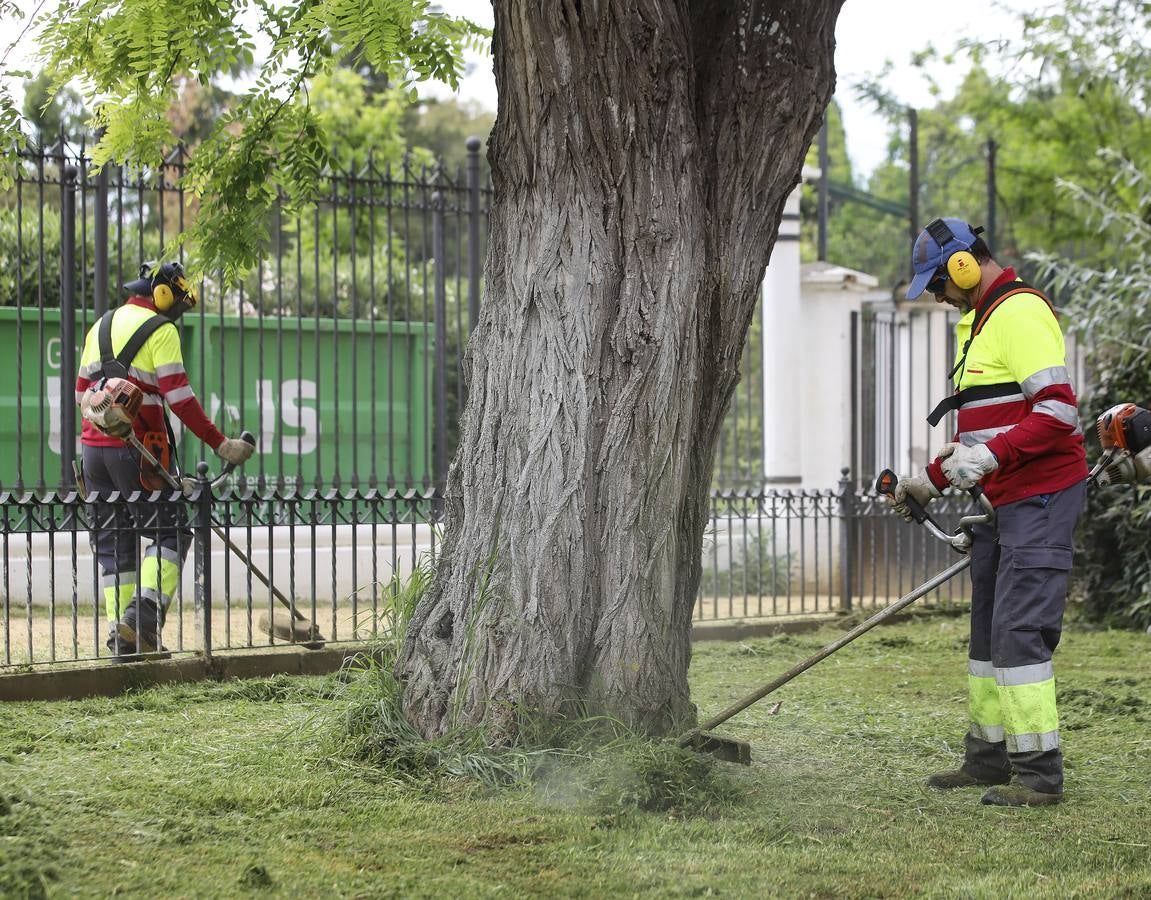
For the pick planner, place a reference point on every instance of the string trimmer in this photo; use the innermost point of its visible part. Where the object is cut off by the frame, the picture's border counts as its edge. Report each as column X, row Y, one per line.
column 740, row 751
column 112, row 409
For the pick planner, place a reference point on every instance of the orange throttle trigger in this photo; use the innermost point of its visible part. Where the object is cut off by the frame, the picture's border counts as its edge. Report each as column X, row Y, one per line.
column 885, row 484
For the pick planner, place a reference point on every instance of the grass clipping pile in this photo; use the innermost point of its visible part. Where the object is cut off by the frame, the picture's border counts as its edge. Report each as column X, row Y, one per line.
column 595, row 763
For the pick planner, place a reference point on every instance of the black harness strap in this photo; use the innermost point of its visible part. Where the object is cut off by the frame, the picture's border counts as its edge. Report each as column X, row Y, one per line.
column 990, row 303
column 970, row 395
column 116, row 365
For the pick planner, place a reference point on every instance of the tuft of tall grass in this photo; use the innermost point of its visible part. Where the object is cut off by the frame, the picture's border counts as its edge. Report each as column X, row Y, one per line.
column 588, row 760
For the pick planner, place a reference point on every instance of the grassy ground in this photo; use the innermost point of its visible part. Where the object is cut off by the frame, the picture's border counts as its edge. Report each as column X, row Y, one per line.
column 227, row 790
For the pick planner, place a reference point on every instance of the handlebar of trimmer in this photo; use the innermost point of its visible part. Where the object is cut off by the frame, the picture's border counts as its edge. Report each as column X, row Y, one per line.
column 885, row 484
column 248, row 438
column 172, row 480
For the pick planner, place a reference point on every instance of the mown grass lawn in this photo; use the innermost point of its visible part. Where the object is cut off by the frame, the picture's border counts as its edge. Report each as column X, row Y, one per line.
column 227, row 790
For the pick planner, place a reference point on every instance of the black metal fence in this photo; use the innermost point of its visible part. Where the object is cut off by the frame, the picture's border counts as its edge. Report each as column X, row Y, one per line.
column 341, row 351
column 341, row 557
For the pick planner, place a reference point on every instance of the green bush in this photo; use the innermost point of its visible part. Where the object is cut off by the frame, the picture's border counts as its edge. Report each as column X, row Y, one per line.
column 1110, row 305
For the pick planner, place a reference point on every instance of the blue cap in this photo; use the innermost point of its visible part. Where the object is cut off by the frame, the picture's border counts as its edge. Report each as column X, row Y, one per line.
column 928, row 254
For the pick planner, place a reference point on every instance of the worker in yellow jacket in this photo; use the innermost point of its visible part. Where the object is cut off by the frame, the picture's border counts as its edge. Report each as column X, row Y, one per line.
column 139, row 341
column 1018, row 435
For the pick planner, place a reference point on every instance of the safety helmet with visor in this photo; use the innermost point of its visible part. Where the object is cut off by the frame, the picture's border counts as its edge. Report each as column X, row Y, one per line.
column 166, row 286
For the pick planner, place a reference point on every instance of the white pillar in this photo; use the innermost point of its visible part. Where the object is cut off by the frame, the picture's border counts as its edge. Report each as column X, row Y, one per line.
column 782, row 354
column 830, row 294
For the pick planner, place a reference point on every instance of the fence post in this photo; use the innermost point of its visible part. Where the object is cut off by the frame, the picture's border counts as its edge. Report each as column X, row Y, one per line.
column 992, row 149
column 202, row 548
column 846, row 537
column 473, row 145
column 913, row 174
column 100, row 245
column 824, row 166
column 67, row 397
column 440, row 377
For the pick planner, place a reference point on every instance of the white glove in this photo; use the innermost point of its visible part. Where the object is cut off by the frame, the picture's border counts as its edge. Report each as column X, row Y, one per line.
column 1128, row 469
column 235, row 452
column 965, row 466
column 918, row 487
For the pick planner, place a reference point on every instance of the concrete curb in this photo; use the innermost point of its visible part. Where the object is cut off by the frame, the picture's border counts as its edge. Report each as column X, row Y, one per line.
column 742, row 629
column 112, row 679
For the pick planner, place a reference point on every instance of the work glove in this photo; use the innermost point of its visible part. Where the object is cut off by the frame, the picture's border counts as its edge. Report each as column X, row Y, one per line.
column 918, row 487
column 965, row 466
column 1128, row 469
column 235, row 452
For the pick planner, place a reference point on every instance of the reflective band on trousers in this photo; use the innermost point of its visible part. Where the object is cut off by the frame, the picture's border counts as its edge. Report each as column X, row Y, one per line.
column 993, row 734
column 1033, row 743
column 118, row 592
column 160, row 573
column 1015, row 704
column 1027, row 703
column 983, row 701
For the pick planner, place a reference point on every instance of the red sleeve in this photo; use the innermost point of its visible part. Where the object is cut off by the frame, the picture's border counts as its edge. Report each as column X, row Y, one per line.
column 934, row 471
column 182, row 401
column 192, row 414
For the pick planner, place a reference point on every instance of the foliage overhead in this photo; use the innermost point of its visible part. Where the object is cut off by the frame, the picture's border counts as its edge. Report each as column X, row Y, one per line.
column 130, row 57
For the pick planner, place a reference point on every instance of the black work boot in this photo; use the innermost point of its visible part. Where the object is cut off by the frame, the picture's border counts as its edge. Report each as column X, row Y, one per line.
column 120, row 648
column 141, row 625
column 964, row 777
column 1018, row 794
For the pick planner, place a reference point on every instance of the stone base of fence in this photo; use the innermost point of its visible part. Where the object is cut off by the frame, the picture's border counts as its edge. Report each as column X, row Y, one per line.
column 108, row 679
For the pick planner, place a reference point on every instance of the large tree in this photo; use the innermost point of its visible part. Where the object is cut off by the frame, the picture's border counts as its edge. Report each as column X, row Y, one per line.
column 641, row 158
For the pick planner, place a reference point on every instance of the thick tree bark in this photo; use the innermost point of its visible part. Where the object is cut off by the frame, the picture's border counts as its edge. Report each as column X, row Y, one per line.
column 641, row 158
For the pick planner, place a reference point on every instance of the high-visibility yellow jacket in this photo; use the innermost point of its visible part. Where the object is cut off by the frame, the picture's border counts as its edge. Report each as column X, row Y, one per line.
column 158, row 370
column 1013, row 393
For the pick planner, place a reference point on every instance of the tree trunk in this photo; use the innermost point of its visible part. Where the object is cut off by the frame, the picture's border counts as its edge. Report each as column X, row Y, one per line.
column 641, row 158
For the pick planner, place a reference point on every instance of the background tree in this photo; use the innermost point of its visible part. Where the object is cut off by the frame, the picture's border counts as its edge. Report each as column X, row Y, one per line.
column 641, row 158
column 1075, row 82
column 50, row 111
column 1112, row 305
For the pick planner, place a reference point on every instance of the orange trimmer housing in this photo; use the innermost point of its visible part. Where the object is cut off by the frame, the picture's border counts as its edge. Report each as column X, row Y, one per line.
column 1125, row 426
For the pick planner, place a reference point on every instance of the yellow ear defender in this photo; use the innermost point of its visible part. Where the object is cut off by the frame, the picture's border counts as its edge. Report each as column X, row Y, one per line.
column 962, row 267
column 173, row 289
column 964, row 270
column 163, row 297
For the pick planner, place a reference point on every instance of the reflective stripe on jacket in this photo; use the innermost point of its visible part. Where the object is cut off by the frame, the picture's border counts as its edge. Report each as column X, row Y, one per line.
column 1024, row 408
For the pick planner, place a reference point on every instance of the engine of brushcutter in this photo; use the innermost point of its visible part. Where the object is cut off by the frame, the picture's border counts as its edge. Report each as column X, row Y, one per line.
column 1124, row 430
column 1125, row 426
column 112, row 405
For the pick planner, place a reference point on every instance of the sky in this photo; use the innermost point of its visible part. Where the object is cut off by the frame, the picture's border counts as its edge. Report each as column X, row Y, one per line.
column 868, row 33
